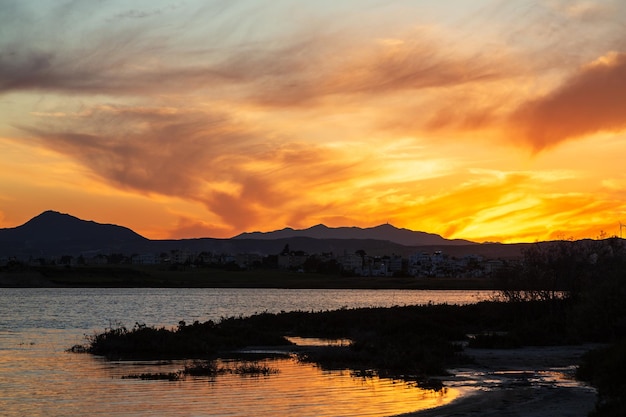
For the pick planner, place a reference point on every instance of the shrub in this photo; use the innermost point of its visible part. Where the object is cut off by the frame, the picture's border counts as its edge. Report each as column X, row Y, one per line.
column 605, row 369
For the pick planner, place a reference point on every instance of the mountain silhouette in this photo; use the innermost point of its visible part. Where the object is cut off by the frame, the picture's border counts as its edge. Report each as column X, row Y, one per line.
column 54, row 233
column 385, row 232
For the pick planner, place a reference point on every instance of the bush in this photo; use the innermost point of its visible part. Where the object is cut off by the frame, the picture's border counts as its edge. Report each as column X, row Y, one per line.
column 199, row 340
column 605, row 369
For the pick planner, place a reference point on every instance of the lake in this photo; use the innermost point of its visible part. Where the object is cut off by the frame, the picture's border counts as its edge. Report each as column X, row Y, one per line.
column 38, row 377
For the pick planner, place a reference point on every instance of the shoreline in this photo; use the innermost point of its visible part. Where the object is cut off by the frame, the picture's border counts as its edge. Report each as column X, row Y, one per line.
column 530, row 382
column 520, row 401
column 129, row 276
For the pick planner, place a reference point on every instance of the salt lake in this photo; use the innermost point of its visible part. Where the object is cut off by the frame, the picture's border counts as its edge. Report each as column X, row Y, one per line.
column 38, row 376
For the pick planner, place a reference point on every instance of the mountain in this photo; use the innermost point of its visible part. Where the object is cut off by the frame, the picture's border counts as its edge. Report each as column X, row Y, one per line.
column 52, row 233
column 384, row 232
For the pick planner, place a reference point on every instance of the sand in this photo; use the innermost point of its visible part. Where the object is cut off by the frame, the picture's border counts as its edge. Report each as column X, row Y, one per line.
column 526, row 382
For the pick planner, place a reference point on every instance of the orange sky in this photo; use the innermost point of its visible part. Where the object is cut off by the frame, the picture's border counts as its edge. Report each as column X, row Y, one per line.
column 491, row 120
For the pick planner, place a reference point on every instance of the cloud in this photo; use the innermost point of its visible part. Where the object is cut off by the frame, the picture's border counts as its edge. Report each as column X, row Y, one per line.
column 141, row 148
column 189, row 228
column 512, row 206
column 78, row 48
column 302, row 67
column 271, row 115
column 587, row 10
column 589, row 102
column 237, row 171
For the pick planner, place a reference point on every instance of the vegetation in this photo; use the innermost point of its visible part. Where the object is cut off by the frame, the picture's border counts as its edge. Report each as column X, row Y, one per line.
column 198, row 340
column 605, row 369
column 209, row 369
column 584, row 282
column 549, row 270
column 412, row 342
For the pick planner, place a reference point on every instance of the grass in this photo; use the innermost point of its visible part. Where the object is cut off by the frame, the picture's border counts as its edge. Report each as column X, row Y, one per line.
column 166, row 376
column 210, row 369
column 198, row 340
column 410, row 342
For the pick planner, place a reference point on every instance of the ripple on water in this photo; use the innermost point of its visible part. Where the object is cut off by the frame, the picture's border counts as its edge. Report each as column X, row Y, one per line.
column 298, row 389
column 37, row 376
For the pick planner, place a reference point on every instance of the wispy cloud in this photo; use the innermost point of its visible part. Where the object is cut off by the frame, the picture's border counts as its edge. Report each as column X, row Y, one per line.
column 213, row 158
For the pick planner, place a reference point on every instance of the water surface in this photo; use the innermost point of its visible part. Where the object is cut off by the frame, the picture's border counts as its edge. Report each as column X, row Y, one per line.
column 37, row 376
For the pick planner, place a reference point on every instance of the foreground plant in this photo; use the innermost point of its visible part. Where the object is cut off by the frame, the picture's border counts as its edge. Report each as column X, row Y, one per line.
column 198, row 340
column 211, row 369
column 604, row 368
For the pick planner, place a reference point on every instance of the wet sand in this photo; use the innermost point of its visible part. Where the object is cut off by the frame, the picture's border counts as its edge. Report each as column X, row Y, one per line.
column 526, row 382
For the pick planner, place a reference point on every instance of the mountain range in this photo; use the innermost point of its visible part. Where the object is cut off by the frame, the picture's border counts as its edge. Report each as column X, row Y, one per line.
column 56, row 234
column 387, row 232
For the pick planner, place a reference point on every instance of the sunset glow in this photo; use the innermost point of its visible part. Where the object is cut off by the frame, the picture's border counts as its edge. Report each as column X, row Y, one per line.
column 490, row 121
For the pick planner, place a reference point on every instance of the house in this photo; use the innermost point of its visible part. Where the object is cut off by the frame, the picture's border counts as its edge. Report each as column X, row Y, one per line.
column 396, row 263
column 98, row 259
column 248, row 260
column 493, row 265
column 145, row 259
column 351, row 262
column 292, row 260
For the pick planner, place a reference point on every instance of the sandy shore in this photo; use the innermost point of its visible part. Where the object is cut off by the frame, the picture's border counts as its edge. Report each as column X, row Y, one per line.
column 528, row 382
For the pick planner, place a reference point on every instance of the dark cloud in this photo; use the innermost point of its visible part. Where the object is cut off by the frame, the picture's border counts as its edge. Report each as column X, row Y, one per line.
column 143, row 149
column 21, row 69
column 232, row 168
column 591, row 101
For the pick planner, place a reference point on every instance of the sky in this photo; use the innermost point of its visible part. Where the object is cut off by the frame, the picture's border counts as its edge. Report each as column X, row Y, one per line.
column 488, row 120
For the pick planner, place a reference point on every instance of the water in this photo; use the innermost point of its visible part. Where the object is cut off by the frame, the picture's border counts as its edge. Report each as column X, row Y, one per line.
column 37, row 376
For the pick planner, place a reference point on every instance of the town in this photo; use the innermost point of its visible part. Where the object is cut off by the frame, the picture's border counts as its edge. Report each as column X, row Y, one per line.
column 357, row 263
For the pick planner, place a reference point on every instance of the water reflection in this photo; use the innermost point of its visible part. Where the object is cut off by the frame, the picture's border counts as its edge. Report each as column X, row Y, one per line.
column 316, row 341
column 297, row 390
column 37, row 376
column 79, row 384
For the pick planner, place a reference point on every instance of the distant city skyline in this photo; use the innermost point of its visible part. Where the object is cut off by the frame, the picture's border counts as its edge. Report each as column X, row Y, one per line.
column 489, row 121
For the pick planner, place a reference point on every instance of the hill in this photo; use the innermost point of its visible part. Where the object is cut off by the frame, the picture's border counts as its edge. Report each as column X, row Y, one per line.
column 386, row 232
column 54, row 234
